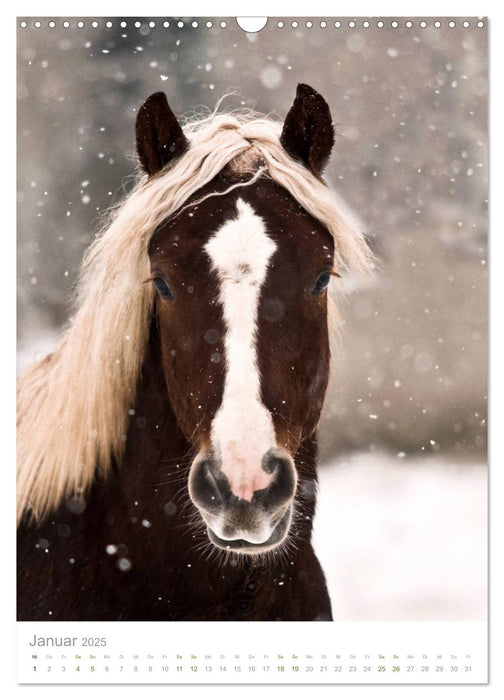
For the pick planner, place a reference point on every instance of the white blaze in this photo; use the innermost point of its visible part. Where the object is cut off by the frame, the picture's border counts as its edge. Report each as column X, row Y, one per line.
column 242, row 430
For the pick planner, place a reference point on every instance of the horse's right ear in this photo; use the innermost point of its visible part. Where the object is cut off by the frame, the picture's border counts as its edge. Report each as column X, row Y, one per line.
column 159, row 136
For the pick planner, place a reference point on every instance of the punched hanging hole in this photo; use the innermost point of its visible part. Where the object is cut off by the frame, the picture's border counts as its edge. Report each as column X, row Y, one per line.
column 252, row 24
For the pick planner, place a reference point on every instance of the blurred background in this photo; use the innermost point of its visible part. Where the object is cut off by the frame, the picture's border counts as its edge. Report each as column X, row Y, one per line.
column 401, row 524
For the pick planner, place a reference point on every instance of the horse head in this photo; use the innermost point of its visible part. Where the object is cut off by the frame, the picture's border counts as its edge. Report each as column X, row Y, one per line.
column 240, row 273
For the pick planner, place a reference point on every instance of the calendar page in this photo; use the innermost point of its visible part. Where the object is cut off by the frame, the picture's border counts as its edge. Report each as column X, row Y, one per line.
column 252, row 350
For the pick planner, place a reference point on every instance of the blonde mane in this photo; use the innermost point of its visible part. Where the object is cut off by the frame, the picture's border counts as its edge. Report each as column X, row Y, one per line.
column 73, row 405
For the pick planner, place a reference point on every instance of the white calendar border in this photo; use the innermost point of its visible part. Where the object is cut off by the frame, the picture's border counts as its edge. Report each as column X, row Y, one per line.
column 271, row 8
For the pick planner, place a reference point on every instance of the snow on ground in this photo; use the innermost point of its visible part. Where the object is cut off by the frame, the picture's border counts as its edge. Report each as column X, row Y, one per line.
column 403, row 539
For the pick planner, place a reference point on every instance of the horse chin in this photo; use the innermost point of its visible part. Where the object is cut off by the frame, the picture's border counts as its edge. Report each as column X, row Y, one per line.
column 242, row 546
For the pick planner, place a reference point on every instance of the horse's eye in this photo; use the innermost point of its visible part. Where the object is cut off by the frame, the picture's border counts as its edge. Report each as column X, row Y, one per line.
column 322, row 281
column 165, row 292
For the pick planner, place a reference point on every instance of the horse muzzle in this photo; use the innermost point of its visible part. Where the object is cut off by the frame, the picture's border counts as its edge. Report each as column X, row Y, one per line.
column 251, row 525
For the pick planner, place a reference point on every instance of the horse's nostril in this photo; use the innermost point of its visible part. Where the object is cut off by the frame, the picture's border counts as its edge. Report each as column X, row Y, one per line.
column 283, row 483
column 272, row 463
column 205, row 485
column 208, row 468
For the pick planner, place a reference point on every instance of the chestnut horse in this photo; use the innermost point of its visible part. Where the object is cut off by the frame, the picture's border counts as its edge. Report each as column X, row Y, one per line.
column 168, row 447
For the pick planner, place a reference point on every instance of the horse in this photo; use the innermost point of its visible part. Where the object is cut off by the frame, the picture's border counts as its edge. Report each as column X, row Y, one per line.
column 167, row 448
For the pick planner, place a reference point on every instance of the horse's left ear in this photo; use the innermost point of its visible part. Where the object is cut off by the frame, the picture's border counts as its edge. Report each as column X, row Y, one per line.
column 159, row 136
column 308, row 132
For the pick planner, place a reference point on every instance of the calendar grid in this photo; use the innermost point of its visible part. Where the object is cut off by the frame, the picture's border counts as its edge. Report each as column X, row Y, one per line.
column 388, row 653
